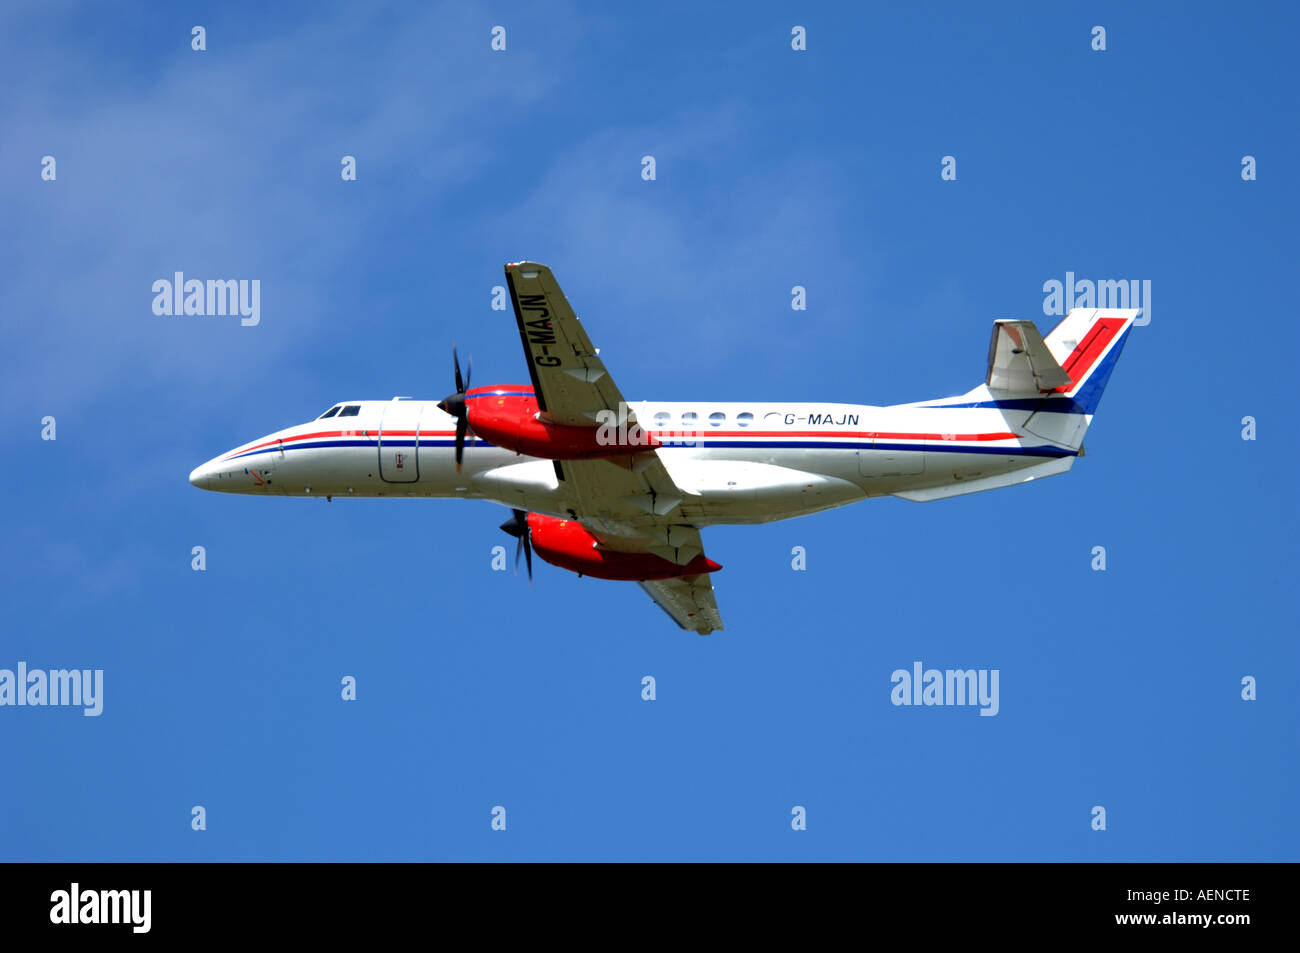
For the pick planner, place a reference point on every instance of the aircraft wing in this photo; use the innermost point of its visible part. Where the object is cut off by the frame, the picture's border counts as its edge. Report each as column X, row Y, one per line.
column 569, row 379
column 688, row 600
column 639, row 512
column 629, row 503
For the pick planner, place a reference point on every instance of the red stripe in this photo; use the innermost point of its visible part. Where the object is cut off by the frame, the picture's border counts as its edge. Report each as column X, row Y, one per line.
column 326, row 434
column 1086, row 352
column 869, row 434
column 681, row 434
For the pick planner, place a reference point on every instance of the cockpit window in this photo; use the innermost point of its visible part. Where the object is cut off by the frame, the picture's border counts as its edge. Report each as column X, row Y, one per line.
column 351, row 410
column 331, row 412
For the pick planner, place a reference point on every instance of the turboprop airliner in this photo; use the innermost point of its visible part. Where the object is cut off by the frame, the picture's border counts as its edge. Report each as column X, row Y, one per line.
column 618, row 490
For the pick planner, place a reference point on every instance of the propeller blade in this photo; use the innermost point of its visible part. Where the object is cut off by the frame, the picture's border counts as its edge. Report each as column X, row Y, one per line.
column 455, row 403
column 517, row 526
column 462, row 424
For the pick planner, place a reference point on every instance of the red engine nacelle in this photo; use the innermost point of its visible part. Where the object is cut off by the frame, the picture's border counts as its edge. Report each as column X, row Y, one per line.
column 507, row 417
column 565, row 543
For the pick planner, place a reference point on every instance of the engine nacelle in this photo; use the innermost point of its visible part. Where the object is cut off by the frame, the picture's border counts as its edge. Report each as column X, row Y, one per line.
column 567, row 544
column 508, row 417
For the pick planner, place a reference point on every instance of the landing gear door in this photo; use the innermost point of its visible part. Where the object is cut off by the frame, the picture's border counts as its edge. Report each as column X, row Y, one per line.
column 399, row 438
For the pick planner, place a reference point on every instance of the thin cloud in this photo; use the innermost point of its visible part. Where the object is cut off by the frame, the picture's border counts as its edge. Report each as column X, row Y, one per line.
column 221, row 164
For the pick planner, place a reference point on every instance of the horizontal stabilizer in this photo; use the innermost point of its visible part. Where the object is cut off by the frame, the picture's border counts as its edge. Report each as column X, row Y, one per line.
column 1020, row 362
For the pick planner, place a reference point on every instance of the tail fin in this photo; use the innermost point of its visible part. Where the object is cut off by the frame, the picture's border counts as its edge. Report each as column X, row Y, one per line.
column 1085, row 346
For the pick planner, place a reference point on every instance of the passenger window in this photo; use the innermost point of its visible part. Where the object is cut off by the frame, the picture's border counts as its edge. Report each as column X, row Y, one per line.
column 330, row 413
column 689, row 418
column 745, row 419
column 351, row 410
column 661, row 419
column 716, row 419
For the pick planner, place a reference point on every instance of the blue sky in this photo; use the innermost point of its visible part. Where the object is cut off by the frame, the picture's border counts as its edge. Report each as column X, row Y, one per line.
column 774, row 168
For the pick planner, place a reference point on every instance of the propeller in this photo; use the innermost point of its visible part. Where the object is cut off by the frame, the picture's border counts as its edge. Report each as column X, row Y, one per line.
column 517, row 526
column 455, row 403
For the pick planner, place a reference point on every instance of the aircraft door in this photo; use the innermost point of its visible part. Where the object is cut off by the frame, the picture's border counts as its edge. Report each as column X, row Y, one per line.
column 399, row 436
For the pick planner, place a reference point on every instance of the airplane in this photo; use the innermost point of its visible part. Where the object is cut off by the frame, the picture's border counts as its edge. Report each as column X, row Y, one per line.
column 617, row 490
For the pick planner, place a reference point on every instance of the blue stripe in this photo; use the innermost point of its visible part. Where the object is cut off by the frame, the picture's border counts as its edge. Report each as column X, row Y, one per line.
column 1084, row 401
column 315, row 445
column 1054, row 405
column 1089, row 395
column 373, row 444
column 860, row 445
column 937, row 446
column 1008, row 451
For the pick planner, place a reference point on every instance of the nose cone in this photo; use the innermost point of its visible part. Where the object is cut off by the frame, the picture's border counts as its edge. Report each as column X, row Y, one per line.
column 201, row 476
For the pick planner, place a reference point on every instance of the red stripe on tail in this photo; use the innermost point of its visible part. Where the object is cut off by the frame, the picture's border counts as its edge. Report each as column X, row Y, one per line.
column 1085, row 354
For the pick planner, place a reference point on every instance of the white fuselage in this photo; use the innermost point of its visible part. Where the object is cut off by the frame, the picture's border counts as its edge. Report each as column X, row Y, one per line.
column 735, row 462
